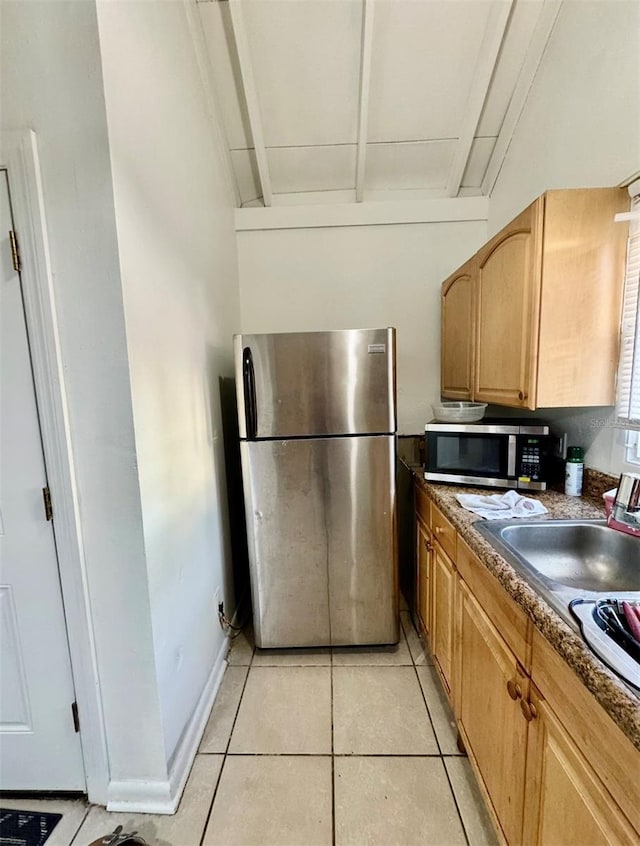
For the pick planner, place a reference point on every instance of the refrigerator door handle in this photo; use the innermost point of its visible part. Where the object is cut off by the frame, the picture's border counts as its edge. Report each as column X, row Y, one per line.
column 250, row 407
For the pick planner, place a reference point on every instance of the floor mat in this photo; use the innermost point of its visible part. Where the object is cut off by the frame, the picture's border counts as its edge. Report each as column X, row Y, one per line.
column 26, row 828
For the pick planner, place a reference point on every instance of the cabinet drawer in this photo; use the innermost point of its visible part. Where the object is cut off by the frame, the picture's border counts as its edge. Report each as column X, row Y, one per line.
column 422, row 503
column 510, row 620
column 443, row 531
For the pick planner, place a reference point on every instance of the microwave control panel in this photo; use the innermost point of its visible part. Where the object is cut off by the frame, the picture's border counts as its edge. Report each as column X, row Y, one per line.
column 532, row 457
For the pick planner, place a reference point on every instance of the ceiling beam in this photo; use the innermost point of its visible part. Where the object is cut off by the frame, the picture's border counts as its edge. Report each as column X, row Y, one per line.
column 539, row 39
column 442, row 210
column 251, row 97
column 203, row 61
column 485, row 65
column 365, row 87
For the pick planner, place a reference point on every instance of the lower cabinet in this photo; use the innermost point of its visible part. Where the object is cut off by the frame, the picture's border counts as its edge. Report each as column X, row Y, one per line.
column 443, row 582
column 555, row 768
column 565, row 801
column 424, row 551
column 490, row 688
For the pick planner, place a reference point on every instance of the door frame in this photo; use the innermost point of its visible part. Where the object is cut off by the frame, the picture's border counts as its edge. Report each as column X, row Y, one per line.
column 19, row 155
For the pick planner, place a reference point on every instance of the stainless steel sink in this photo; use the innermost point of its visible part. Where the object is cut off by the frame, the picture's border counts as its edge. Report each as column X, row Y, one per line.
column 574, row 561
column 568, row 559
column 583, row 555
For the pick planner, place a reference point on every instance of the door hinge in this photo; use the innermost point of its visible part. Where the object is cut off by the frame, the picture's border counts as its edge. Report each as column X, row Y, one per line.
column 48, row 508
column 15, row 251
column 76, row 718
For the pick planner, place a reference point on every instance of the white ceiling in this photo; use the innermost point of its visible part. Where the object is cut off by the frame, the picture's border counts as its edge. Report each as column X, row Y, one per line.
column 327, row 101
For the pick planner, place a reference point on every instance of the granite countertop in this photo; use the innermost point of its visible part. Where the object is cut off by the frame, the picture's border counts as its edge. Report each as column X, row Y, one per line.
column 616, row 697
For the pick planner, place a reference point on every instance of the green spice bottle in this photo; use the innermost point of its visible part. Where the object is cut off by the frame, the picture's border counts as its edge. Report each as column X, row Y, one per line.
column 574, row 469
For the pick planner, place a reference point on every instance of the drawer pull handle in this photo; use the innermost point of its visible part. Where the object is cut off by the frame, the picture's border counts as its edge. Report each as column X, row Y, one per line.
column 529, row 710
column 514, row 690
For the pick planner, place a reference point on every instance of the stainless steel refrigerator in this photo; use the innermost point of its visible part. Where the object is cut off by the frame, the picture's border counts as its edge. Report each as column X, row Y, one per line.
column 317, row 419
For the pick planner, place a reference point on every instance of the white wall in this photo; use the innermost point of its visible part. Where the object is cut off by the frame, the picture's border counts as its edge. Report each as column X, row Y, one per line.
column 580, row 124
column 359, row 276
column 144, row 262
column 180, row 282
column 580, row 128
column 51, row 82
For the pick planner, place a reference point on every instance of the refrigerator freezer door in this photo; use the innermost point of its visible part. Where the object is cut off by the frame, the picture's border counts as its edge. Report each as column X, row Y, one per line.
column 308, row 384
column 321, row 526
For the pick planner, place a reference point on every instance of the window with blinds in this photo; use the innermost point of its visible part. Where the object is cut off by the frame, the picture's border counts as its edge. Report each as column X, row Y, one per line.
column 628, row 389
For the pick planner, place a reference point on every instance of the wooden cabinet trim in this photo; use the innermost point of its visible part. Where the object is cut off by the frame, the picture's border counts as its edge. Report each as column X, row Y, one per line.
column 422, row 505
column 457, row 336
column 443, row 590
column 520, row 225
column 511, row 621
column 443, row 531
column 423, row 577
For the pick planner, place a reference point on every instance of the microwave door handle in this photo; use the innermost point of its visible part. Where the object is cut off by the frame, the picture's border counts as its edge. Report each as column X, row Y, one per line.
column 511, row 457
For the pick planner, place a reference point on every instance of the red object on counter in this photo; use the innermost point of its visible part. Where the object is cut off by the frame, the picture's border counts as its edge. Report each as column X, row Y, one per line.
column 632, row 614
column 612, row 523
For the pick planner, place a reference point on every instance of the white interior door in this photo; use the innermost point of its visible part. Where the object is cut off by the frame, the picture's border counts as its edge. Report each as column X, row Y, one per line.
column 39, row 747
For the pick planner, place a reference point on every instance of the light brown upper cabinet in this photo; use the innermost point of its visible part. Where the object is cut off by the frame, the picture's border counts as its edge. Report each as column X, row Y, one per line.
column 533, row 319
column 508, row 293
column 457, row 334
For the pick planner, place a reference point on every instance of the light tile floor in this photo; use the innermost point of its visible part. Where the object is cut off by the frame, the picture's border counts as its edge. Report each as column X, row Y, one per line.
column 342, row 747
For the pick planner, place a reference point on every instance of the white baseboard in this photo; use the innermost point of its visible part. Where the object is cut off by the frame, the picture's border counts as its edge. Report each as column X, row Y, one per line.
column 138, row 796
column 163, row 797
column 187, row 747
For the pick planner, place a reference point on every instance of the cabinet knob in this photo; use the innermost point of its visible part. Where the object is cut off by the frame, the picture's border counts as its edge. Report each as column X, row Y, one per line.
column 523, row 395
column 439, row 530
column 529, row 710
column 514, row 690
column 428, row 546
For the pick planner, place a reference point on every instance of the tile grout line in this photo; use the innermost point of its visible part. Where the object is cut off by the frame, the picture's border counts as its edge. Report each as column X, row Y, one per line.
column 82, row 822
column 455, row 802
column 226, row 752
column 426, row 704
column 441, row 755
column 332, row 755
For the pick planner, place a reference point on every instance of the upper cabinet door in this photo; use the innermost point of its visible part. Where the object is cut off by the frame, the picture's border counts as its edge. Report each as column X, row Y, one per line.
column 456, row 376
column 583, row 265
column 508, row 295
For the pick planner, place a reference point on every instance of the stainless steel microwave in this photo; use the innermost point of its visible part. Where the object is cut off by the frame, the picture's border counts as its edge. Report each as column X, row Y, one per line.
column 504, row 454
